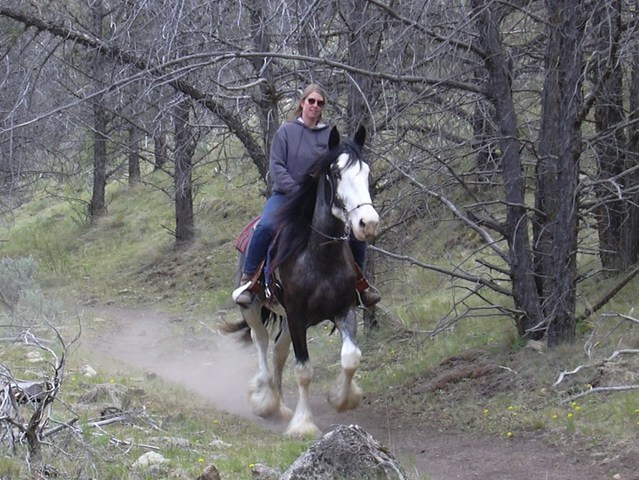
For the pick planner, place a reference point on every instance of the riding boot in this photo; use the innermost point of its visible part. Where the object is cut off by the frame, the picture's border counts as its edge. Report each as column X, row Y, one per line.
column 242, row 295
column 367, row 295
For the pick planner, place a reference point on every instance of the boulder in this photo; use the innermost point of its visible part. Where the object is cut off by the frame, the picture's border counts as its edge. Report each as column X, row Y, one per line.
column 210, row 473
column 148, row 460
column 347, row 452
column 264, row 472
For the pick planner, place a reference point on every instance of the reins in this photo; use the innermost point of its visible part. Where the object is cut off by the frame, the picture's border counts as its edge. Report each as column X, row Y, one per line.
column 347, row 233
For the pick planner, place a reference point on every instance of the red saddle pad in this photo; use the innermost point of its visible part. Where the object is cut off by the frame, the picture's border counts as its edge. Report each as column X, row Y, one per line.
column 243, row 239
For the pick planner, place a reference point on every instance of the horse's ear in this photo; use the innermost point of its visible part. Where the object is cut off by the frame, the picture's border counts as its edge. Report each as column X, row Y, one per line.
column 360, row 136
column 333, row 139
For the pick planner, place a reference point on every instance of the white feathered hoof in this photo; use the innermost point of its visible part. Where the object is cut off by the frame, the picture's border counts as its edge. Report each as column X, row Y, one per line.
column 265, row 402
column 342, row 398
column 302, row 428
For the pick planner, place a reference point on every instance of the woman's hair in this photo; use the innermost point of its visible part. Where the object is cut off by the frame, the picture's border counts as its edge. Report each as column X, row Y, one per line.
column 312, row 88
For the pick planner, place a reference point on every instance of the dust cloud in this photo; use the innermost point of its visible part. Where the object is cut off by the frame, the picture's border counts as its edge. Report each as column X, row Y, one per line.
column 217, row 368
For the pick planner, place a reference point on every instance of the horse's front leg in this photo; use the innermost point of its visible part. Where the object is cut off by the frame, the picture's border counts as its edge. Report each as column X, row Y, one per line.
column 345, row 394
column 264, row 400
column 281, row 349
column 302, row 423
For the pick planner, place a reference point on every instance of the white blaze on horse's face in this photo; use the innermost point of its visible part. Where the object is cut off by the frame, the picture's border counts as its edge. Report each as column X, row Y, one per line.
column 352, row 189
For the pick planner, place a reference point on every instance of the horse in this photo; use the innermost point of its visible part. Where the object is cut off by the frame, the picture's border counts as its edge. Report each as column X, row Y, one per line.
column 315, row 277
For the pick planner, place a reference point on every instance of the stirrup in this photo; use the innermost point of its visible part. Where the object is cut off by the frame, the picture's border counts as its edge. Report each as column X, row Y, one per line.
column 241, row 289
column 374, row 297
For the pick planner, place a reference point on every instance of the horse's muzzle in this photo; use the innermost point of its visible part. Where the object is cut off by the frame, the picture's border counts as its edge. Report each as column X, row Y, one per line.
column 364, row 223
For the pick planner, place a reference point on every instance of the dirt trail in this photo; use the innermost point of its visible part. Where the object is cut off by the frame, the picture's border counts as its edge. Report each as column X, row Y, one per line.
column 221, row 372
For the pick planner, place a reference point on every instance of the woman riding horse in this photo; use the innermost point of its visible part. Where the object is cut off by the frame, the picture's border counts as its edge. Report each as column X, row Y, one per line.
column 296, row 147
column 316, row 276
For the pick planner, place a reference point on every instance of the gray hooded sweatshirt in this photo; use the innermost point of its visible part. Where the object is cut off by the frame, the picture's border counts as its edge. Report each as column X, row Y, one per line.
column 294, row 150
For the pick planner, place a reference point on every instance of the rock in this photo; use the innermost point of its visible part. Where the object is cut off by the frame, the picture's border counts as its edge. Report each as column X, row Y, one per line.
column 88, row 371
column 217, row 443
column 148, row 460
column 536, row 345
column 210, row 473
column 347, row 452
column 264, row 472
column 171, row 442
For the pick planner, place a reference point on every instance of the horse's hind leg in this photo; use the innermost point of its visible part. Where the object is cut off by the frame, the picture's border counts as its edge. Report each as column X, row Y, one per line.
column 345, row 394
column 265, row 401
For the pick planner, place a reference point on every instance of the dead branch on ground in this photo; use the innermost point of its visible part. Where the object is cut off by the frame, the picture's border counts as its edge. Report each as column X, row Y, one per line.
column 25, row 406
column 620, row 388
column 565, row 373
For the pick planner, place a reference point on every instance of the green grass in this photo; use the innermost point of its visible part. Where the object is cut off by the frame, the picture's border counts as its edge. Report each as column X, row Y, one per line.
column 160, row 413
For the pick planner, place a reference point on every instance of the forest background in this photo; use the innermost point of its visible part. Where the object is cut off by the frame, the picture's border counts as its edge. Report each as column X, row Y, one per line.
column 516, row 120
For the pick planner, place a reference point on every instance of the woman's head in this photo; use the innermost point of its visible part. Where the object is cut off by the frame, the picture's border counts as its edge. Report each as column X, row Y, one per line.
column 312, row 98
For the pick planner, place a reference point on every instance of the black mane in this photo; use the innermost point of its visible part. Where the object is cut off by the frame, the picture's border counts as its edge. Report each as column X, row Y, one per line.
column 295, row 216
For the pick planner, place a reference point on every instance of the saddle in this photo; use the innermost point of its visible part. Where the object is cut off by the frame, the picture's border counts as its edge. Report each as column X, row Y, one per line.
column 244, row 238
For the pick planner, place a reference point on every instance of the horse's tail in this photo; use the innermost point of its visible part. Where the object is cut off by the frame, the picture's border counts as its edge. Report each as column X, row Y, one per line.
column 268, row 318
column 228, row 327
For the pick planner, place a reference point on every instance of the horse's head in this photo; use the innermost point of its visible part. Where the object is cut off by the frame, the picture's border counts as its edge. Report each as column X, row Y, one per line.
column 349, row 173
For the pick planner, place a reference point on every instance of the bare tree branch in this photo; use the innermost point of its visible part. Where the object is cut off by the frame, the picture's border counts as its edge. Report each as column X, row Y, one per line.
column 452, row 273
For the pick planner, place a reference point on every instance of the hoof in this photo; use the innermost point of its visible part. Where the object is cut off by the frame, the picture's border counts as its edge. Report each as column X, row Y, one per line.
column 302, row 426
column 303, row 432
column 263, row 399
column 342, row 401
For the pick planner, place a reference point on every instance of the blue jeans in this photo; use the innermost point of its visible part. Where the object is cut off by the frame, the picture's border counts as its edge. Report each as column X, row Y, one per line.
column 263, row 234
column 358, row 247
column 265, row 229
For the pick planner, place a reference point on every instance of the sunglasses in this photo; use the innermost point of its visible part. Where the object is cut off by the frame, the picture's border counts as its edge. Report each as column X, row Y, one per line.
column 311, row 101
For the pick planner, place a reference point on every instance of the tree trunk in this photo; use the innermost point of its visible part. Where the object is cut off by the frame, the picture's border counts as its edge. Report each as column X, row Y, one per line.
column 608, row 74
column 559, row 147
column 97, row 207
column 360, row 88
column 360, row 95
column 266, row 97
column 134, row 155
column 520, row 253
column 631, row 229
column 184, row 149
column 160, row 151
